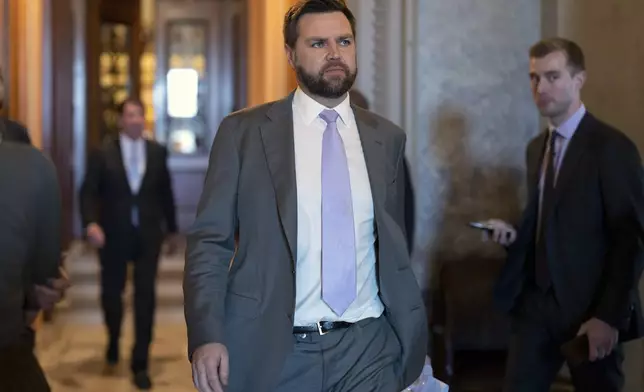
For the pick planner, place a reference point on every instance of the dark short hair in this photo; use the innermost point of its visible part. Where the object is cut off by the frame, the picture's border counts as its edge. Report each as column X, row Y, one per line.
column 303, row 7
column 129, row 100
column 570, row 49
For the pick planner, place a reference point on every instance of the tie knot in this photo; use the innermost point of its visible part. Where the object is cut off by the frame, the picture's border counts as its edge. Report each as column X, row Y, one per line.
column 554, row 135
column 329, row 115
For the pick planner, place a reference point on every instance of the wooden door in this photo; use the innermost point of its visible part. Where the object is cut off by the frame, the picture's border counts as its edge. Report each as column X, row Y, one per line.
column 57, row 105
column 200, row 79
column 113, row 61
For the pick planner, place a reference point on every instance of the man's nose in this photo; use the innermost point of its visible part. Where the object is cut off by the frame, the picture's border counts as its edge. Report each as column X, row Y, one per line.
column 541, row 86
column 333, row 51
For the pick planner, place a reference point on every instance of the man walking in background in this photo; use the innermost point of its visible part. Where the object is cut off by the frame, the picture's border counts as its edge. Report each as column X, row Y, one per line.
column 127, row 206
column 575, row 262
column 319, row 294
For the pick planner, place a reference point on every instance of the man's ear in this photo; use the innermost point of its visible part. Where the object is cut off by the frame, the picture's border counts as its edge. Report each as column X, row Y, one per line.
column 290, row 55
column 580, row 79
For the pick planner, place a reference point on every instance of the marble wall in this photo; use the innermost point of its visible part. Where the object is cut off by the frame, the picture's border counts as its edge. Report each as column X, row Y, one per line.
column 471, row 119
column 453, row 74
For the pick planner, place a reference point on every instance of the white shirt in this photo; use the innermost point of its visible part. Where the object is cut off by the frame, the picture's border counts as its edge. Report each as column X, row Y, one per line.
column 308, row 129
column 133, row 152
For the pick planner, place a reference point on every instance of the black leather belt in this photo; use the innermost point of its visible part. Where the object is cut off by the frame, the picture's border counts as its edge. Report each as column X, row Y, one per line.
column 321, row 327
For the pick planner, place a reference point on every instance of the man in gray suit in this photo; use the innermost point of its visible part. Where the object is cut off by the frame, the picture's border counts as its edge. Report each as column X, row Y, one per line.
column 317, row 294
column 30, row 243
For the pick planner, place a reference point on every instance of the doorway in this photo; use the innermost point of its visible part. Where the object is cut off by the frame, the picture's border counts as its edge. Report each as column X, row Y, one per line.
column 185, row 61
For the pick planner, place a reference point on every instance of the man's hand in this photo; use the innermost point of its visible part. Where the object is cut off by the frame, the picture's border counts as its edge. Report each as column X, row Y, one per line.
column 48, row 296
column 95, row 235
column 602, row 338
column 502, row 233
column 210, row 367
column 172, row 244
column 30, row 317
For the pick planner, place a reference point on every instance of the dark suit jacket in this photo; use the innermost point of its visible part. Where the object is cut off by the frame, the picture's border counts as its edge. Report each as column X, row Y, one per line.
column 593, row 233
column 250, row 186
column 29, row 233
column 106, row 197
column 12, row 131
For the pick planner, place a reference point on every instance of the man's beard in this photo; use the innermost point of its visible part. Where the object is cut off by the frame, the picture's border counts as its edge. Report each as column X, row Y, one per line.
column 331, row 88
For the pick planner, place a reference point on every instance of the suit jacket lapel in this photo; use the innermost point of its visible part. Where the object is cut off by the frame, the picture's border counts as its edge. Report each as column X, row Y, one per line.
column 531, row 211
column 277, row 137
column 576, row 148
column 149, row 163
column 535, row 160
column 121, row 163
column 374, row 154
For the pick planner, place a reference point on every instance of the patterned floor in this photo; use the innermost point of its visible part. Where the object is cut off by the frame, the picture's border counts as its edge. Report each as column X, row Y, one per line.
column 72, row 357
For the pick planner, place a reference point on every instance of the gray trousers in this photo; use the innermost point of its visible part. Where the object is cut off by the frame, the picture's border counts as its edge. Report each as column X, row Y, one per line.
column 361, row 358
column 539, row 328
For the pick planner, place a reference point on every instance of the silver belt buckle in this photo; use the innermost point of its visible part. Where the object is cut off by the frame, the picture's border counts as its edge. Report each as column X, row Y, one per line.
column 319, row 325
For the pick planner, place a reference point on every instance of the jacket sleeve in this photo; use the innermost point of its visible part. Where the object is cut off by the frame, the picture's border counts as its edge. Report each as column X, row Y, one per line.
column 623, row 199
column 90, row 189
column 46, row 251
column 211, row 242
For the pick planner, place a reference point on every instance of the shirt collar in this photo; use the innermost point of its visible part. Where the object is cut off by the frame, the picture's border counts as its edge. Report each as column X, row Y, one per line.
column 125, row 138
column 309, row 109
column 567, row 128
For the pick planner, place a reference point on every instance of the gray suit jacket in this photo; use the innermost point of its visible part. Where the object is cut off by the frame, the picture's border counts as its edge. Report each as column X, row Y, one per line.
column 248, row 303
column 29, row 233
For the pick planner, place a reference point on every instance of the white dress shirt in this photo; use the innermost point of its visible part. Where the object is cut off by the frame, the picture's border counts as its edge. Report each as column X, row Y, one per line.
column 133, row 152
column 308, row 129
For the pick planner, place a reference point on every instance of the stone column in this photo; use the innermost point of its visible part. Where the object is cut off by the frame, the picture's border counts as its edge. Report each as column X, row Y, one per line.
column 380, row 37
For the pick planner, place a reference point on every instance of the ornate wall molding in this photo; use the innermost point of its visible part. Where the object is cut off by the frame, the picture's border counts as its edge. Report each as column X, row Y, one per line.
column 381, row 57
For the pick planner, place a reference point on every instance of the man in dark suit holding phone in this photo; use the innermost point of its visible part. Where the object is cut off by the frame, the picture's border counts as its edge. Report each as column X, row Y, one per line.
column 575, row 260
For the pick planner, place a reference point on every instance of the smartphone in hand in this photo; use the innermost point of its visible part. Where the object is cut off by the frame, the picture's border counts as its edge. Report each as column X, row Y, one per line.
column 482, row 226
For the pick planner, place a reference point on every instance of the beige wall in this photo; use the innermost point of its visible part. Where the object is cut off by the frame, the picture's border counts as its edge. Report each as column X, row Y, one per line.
column 4, row 41
column 269, row 76
column 611, row 35
column 25, row 55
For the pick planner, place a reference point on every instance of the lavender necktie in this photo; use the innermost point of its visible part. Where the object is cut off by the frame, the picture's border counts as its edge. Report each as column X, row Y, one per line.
column 338, row 238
